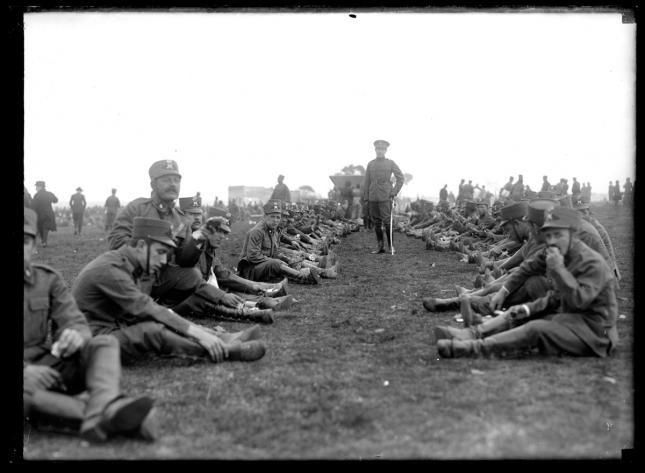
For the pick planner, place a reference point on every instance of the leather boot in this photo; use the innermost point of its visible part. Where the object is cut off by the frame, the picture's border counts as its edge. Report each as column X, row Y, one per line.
column 379, row 240
column 251, row 333
column 246, row 351
column 107, row 411
column 264, row 316
column 309, row 276
column 387, row 235
column 434, row 304
column 276, row 303
column 445, row 332
column 54, row 410
column 500, row 344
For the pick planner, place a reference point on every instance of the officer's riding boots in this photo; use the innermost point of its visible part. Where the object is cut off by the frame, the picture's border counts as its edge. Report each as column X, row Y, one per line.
column 108, row 412
column 379, row 240
column 387, row 235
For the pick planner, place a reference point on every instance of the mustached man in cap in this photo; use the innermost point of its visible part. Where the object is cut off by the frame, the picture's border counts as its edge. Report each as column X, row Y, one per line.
column 107, row 291
column 259, row 257
column 179, row 279
column 379, row 194
column 576, row 318
column 250, row 296
column 42, row 205
column 281, row 191
column 77, row 204
column 55, row 373
column 112, row 206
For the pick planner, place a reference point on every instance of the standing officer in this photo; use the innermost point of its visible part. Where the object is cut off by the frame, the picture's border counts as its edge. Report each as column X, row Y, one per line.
column 378, row 192
column 42, row 204
column 54, row 373
column 77, row 203
column 112, row 206
column 281, row 191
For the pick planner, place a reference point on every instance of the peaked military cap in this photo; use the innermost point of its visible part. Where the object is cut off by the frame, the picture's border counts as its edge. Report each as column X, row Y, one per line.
column 381, row 143
column 40, row 183
column 163, row 168
column 219, row 224
column 561, row 217
column 273, row 206
column 79, row 189
column 191, row 204
column 516, row 210
column 153, row 229
column 31, row 222
column 536, row 210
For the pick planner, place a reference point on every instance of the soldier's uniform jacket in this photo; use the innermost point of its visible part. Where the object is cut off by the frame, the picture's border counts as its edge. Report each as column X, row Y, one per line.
column 590, row 236
column 281, row 192
column 112, row 204
column 604, row 236
column 530, row 248
column 185, row 255
column 77, row 203
column 260, row 244
column 47, row 298
column 107, row 292
column 377, row 186
column 584, row 295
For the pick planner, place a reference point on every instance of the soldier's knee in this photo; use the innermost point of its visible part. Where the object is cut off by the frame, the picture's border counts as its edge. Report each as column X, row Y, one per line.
column 536, row 287
column 103, row 340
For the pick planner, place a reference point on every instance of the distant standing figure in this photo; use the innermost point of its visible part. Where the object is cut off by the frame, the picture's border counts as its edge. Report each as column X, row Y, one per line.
column 281, row 191
column 42, row 205
column 627, row 193
column 112, row 206
column 617, row 194
column 77, row 203
column 378, row 192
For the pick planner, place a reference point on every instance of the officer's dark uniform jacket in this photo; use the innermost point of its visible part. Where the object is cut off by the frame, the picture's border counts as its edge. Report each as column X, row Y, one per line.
column 185, row 255
column 377, row 186
column 46, row 298
column 584, row 295
column 106, row 291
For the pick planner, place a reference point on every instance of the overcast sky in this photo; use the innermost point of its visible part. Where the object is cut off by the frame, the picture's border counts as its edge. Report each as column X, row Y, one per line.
column 238, row 98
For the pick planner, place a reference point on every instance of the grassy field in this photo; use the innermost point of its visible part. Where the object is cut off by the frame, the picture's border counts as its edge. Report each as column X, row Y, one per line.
column 352, row 373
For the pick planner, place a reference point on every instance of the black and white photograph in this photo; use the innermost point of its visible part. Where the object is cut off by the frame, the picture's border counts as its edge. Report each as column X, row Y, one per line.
column 328, row 233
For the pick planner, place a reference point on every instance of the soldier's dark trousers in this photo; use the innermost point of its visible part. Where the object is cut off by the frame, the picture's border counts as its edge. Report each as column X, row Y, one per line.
column 380, row 214
column 109, row 220
column 145, row 338
column 174, row 284
column 78, row 222
column 96, row 368
column 268, row 271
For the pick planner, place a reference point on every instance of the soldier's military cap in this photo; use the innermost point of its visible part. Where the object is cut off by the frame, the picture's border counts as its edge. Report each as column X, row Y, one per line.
column 31, row 222
column 78, row 189
column 547, row 195
column 153, row 229
column 561, row 217
column 218, row 224
column 40, row 183
column 514, row 211
column 536, row 210
column 381, row 143
column 163, row 168
column 191, row 204
column 273, row 206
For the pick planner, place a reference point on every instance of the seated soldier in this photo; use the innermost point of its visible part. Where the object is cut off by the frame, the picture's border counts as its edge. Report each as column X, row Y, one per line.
column 577, row 317
column 56, row 375
column 259, row 261
column 107, row 292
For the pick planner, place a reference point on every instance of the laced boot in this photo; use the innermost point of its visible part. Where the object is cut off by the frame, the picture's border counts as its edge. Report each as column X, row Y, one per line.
column 246, row 351
column 264, row 316
column 434, row 304
column 251, row 333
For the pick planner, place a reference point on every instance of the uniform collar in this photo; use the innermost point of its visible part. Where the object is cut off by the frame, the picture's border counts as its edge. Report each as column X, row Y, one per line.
column 162, row 207
column 130, row 259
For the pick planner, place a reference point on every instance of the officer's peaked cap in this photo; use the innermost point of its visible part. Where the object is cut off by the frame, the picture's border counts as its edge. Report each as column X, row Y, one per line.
column 163, row 168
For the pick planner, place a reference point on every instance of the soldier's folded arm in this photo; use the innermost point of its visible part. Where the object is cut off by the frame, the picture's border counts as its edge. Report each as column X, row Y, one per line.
column 546, row 304
column 529, row 267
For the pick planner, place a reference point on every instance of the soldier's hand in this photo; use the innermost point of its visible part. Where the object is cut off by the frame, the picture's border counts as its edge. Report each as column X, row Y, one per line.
column 232, row 300
column 69, row 342
column 498, row 299
column 201, row 234
column 40, row 377
column 554, row 258
column 214, row 346
column 257, row 289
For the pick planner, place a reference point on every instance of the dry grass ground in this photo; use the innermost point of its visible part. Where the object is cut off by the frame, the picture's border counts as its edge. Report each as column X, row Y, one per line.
column 352, row 373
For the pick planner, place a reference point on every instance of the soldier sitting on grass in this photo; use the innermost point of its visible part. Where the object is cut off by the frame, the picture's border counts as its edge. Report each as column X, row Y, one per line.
column 577, row 318
column 107, row 292
column 73, row 384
